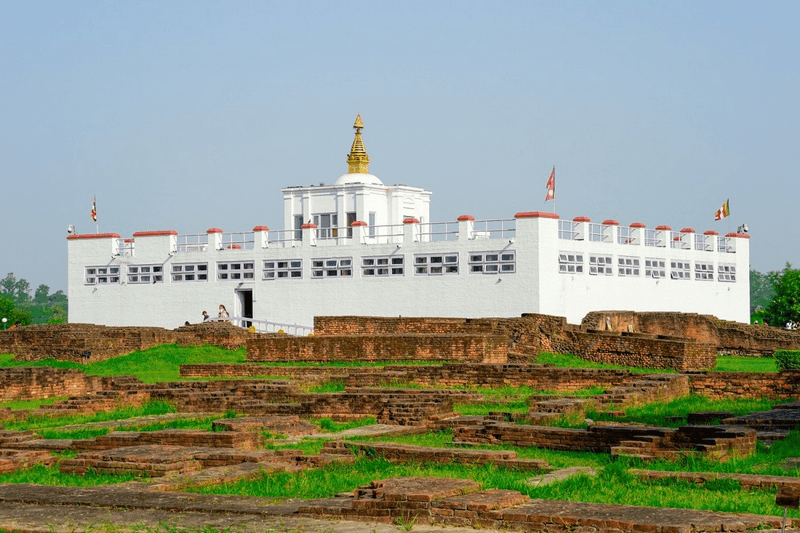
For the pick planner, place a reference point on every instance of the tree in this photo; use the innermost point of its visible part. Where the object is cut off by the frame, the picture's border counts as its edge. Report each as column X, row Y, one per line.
column 785, row 305
column 761, row 289
column 10, row 311
column 40, row 296
column 17, row 290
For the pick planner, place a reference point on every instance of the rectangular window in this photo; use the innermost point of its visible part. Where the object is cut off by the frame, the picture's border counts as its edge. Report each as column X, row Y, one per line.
column 327, row 225
column 143, row 274
column 282, row 269
column 190, row 272
column 596, row 232
column 628, row 266
column 298, row 227
column 680, row 270
column 625, row 235
column 699, row 242
column 649, row 237
column 600, row 265
column 655, row 268
column 101, row 275
column 372, row 224
column 703, row 271
column 380, row 266
column 726, row 272
column 502, row 262
column 351, row 217
column 332, row 267
column 566, row 230
column 435, row 264
column 236, row 271
column 570, row 263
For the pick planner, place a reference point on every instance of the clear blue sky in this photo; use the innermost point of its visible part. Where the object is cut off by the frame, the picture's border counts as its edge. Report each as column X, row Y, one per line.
column 190, row 115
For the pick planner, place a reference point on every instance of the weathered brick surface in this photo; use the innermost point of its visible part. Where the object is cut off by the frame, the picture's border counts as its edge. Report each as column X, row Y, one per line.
column 648, row 351
column 645, row 441
column 171, row 437
column 728, row 337
column 68, row 342
column 717, row 385
column 284, row 425
column 748, row 481
column 405, row 453
column 27, row 383
column 368, row 348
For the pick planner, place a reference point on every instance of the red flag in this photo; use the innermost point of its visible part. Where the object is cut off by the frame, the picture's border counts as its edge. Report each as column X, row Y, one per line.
column 94, row 209
column 551, row 186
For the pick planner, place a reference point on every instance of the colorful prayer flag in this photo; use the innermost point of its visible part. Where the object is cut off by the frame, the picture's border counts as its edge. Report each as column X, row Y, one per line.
column 723, row 211
column 94, row 209
column 551, row 186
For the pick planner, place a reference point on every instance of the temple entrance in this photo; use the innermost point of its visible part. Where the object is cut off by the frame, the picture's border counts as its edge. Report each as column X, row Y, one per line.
column 244, row 304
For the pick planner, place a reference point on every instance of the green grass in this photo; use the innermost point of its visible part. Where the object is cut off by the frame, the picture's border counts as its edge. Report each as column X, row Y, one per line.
column 336, row 385
column 154, row 365
column 50, row 475
column 571, row 361
column 484, row 408
column 122, row 413
column 613, row 484
column 737, row 363
column 329, row 426
column 656, row 413
column 73, row 434
column 30, row 404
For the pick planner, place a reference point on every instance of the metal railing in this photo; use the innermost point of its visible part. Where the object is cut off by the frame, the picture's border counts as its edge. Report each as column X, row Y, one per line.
column 265, row 326
column 494, row 228
column 237, row 241
column 567, row 230
column 124, row 247
column 386, row 234
column 438, row 231
column 197, row 242
column 285, row 238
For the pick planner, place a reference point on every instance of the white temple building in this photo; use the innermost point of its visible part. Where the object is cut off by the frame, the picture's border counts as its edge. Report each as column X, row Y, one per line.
column 359, row 247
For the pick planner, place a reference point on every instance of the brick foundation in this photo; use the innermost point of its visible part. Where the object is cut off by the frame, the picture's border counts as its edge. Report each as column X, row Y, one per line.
column 68, row 342
column 647, row 351
column 371, row 348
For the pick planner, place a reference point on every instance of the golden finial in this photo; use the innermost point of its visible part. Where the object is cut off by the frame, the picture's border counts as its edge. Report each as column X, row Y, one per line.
column 358, row 160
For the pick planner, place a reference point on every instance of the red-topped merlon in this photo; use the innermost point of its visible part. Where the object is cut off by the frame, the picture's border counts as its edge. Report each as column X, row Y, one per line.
column 535, row 214
column 94, row 236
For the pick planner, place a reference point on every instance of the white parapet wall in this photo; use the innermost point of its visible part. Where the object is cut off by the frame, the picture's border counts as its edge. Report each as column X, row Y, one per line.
column 532, row 263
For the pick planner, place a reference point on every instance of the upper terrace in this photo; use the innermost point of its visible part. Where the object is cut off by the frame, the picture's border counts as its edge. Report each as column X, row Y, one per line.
column 465, row 228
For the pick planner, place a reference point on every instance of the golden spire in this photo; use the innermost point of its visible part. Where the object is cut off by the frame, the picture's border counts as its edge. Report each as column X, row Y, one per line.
column 358, row 160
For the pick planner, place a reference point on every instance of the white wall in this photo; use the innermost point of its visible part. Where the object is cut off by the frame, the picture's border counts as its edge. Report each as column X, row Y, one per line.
column 536, row 286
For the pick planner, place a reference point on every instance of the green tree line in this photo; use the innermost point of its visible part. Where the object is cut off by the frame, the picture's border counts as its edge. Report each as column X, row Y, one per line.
column 17, row 304
column 775, row 296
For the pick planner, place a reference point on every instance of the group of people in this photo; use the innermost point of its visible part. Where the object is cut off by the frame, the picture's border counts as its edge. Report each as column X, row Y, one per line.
column 223, row 313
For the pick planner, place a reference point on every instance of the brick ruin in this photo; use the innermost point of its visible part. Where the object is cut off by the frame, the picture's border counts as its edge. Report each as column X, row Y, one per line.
column 679, row 341
column 491, row 353
column 81, row 343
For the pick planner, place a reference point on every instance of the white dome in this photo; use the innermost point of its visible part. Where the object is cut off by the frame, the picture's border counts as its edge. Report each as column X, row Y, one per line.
column 367, row 179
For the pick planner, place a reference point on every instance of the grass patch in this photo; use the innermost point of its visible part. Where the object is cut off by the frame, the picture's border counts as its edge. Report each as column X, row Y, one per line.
column 327, row 386
column 613, row 484
column 350, row 364
column 30, row 404
column 656, row 413
column 329, row 426
column 154, row 365
column 738, row 363
column 122, row 413
column 484, row 408
column 50, row 475
column 74, row 434
column 571, row 361
column 203, row 424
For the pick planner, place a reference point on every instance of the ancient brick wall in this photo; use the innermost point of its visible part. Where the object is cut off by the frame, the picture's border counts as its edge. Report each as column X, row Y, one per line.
column 531, row 333
column 719, row 385
column 711, row 440
column 68, row 342
column 369, row 348
column 729, row 337
column 647, row 351
column 28, row 383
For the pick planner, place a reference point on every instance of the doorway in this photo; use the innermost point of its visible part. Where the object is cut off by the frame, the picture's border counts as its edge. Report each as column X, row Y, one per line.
column 244, row 300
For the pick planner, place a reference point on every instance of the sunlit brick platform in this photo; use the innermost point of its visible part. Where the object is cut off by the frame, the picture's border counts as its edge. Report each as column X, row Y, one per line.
column 404, row 453
column 412, row 501
column 458, row 502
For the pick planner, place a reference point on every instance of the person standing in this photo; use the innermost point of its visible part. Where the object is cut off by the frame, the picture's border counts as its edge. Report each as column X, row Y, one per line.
column 223, row 313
